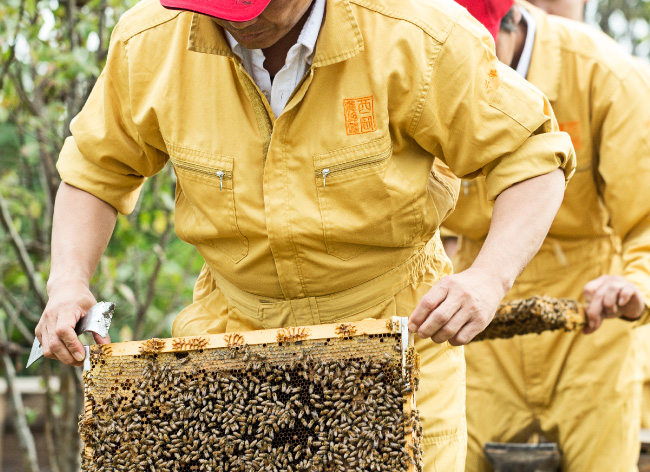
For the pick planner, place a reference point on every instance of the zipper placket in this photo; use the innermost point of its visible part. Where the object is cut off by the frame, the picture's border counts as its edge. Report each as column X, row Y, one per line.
column 268, row 112
column 327, row 171
column 219, row 173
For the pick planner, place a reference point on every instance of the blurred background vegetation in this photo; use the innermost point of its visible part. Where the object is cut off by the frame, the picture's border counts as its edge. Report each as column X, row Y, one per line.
column 51, row 53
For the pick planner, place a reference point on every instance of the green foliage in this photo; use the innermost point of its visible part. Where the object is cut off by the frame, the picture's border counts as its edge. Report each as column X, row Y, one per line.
column 51, row 53
column 628, row 22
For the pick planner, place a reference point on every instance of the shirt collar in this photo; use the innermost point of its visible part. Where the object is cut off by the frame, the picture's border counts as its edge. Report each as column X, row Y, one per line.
column 526, row 54
column 339, row 39
column 546, row 61
column 308, row 34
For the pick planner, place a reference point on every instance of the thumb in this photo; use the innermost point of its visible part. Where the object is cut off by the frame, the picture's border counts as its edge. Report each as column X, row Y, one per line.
column 100, row 340
column 591, row 287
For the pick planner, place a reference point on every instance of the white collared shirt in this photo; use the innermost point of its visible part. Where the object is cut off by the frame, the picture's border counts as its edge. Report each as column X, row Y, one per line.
column 299, row 59
column 527, row 52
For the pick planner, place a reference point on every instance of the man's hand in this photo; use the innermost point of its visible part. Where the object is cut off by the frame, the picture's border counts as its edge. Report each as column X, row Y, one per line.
column 66, row 305
column 458, row 307
column 611, row 296
column 81, row 229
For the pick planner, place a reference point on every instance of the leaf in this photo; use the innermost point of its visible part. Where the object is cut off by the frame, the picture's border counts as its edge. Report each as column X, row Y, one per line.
column 31, row 415
column 160, row 222
column 124, row 222
column 35, row 209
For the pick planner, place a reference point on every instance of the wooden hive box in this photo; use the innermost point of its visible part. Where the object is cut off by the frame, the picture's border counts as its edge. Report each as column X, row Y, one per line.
column 338, row 397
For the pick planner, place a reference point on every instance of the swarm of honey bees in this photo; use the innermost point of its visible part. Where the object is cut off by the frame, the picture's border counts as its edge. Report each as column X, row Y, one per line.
column 335, row 404
column 534, row 315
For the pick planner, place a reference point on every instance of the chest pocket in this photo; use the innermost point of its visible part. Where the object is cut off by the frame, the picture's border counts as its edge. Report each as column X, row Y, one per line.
column 205, row 202
column 364, row 200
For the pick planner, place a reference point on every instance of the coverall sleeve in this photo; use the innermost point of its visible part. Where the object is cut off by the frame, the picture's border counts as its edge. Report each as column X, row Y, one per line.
column 105, row 156
column 479, row 116
column 623, row 121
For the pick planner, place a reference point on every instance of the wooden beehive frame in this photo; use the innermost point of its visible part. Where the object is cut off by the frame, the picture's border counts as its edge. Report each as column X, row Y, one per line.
column 534, row 315
column 268, row 336
column 280, row 336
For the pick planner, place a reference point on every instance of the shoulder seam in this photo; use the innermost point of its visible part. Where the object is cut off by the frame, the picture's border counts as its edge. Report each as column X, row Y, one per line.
column 609, row 68
column 158, row 20
column 414, row 122
column 597, row 38
column 414, row 21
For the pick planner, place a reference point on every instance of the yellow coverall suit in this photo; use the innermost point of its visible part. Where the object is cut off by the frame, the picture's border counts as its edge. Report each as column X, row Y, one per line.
column 643, row 332
column 643, row 340
column 581, row 391
column 329, row 211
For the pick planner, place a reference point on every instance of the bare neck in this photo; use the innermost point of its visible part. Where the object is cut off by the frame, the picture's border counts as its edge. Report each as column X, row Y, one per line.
column 520, row 42
column 276, row 55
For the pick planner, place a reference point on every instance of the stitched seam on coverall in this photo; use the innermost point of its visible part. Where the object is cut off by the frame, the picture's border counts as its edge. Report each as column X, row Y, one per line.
column 414, row 21
column 143, row 144
column 264, row 121
column 427, row 79
column 331, row 305
column 342, row 56
column 127, row 35
column 286, row 203
column 434, row 439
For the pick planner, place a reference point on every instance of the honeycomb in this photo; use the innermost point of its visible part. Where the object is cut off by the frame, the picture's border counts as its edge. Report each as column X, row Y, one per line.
column 273, row 400
column 534, row 315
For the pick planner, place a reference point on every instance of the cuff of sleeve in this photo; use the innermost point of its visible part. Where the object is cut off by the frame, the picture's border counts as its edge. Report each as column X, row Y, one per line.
column 119, row 190
column 538, row 155
column 640, row 282
column 643, row 320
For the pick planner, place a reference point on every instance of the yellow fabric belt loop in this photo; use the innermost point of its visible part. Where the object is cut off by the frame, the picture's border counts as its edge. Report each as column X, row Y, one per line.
column 301, row 309
column 275, row 313
column 315, row 315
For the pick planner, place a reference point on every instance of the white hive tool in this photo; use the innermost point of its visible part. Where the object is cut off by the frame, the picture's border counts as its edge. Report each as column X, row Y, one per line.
column 98, row 320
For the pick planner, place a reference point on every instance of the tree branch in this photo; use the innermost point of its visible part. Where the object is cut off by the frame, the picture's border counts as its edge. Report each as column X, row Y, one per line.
column 23, row 257
column 20, row 307
column 102, row 50
column 151, row 291
column 72, row 407
column 18, row 415
column 51, row 431
column 12, row 49
column 15, row 318
column 24, row 98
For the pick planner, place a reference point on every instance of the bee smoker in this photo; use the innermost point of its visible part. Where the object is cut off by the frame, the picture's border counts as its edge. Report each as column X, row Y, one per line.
column 523, row 457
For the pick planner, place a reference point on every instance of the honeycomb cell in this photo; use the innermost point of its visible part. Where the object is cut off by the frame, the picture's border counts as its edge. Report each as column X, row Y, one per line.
column 335, row 404
column 534, row 315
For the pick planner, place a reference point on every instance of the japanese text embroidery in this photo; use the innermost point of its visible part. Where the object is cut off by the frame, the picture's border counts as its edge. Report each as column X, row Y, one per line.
column 359, row 115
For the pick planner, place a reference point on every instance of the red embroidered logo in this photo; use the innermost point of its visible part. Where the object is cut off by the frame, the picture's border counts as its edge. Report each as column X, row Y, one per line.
column 491, row 76
column 572, row 128
column 359, row 115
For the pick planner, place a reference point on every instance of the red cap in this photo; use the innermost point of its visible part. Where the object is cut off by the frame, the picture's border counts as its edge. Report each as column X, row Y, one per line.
column 488, row 12
column 230, row 10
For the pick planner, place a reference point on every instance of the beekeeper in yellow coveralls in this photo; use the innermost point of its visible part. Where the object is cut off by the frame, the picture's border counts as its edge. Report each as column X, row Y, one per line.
column 578, row 389
column 575, row 10
column 303, row 136
column 642, row 333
